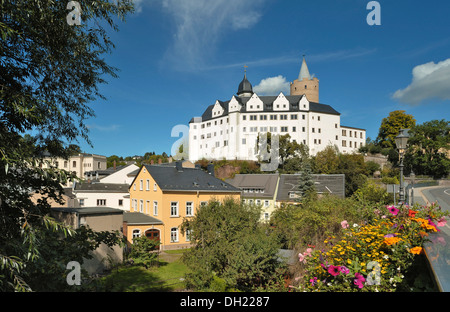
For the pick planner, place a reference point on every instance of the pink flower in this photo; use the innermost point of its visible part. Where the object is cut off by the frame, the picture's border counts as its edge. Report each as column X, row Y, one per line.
column 393, row 210
column 334, row 270
column 308, row 252
column 344, row 224
column 313, row 281
column 441, row 222
column 344, row 269
column 301, row 258
column 359, row 280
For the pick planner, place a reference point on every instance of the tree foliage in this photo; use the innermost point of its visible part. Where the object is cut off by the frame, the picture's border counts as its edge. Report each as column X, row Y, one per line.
column 391, row 125
column 231, row 244
column 50, row 71
column 429, row 144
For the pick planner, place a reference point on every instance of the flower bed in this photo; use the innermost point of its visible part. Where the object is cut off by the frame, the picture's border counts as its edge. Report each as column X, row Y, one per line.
column 371, row 257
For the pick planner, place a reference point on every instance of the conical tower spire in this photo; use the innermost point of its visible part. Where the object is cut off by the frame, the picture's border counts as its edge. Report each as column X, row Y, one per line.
column 304, row 72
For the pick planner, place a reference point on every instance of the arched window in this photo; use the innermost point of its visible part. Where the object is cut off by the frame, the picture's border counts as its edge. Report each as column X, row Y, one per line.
column 136, row 233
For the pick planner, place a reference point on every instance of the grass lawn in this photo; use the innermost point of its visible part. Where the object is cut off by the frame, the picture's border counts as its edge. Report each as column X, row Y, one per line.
column 163, row 277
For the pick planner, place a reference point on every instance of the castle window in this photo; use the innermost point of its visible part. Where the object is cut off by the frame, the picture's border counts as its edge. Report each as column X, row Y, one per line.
column 305, row 86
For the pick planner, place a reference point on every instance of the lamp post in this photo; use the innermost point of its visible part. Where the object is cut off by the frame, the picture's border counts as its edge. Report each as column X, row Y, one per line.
column 401, row 141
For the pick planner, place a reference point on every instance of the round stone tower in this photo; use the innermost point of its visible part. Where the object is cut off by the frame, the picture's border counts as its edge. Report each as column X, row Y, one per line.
column 305, row 84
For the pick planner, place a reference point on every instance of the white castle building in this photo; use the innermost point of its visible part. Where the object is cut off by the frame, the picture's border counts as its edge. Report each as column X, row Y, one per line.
column 230, row 129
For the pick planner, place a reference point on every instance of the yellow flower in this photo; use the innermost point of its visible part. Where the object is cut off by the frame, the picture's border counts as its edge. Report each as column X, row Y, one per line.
column 349, row 261
column 391, row 240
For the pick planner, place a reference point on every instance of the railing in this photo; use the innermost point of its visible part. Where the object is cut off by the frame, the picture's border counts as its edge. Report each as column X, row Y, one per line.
column 437, row 251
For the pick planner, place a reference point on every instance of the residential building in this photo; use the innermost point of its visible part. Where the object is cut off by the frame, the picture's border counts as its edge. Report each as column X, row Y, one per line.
column 98, row 219
column 258, row 189
column 120, row 175
column 287, row 192
column 111, row 195
column 229, row 129
column 172, row 193
column 78, row 164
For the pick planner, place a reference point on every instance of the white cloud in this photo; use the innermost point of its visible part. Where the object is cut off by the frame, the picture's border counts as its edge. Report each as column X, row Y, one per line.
column 430, row 80
column 103, row 128
column 272, row 86
column 201, row 23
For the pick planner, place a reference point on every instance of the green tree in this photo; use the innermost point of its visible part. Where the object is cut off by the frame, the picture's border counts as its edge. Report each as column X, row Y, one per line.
column 429, row 144
column 142, row 251
column 231, row 244
column 391, row 125
column 50, row 71
column 326, row 161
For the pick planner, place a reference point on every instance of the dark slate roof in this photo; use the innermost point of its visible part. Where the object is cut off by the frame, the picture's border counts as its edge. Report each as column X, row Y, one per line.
column 268, row 106
column 139, row 218
column 101, row 187
column 90, row 210
column 245, row 86
column 268, row 182
column 324, row 183
column 187, row 179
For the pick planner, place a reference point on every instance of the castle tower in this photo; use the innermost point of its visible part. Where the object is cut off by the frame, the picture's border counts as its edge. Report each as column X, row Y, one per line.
column 245, row 88
column 305, row 84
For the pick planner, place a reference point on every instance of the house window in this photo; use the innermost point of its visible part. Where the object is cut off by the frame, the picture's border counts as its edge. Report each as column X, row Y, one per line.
column 141, row 185
column 101, row 202
column 266, row 216
column 99, row 165
column 136, row 233
column 74, row 164
column 244, row 141
column 344, row 133
column 148, row 185
column 266, row 203
column 147, row 207
column 120, row 202
column 174, row 235
column 189, row 209
column 188, row 235
column 81, row 201
column 155, row 187
column 155, row 208
column 344, row 143
column 203, row 203
column 141, row 205
column 294, row 129
column 174, row 209
column 273, row 129
column 244, row 117
column 65, row 164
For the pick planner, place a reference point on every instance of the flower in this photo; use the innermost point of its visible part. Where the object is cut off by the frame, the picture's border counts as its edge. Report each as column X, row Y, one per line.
column 359, row 280
column 411, row 213
column 442, row 221
column 344, row 269
column 313, row 281
column 416, row 250
column 344, row 224
column 301, row 258
column 334, row 270
column 391, row 240
column 389, row 235
column 393, row 210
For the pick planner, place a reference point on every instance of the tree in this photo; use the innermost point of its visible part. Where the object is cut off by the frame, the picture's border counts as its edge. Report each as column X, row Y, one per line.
column 391, row 125
column 429, row 144
column 230, row 243
column 50, row 71
column 326, row 161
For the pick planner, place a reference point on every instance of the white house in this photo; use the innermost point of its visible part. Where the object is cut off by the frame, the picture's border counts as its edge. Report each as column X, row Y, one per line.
column 121, row 176
column 112, row 195
column 229, row 129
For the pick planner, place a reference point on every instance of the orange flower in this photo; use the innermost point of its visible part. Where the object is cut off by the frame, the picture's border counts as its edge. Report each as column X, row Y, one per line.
column 391, row 240
column 416, row 250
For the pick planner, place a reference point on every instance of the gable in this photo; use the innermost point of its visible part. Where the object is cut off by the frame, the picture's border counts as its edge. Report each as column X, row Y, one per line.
column 281, row 103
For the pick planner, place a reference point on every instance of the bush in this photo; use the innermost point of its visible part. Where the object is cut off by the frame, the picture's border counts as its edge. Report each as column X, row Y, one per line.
column 377, row 256
column 143, row 251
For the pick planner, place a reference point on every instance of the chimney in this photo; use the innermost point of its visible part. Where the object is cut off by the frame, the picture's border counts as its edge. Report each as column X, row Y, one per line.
column 211, row 169
column 151, row 162
column 114, row 165
column 179, row 166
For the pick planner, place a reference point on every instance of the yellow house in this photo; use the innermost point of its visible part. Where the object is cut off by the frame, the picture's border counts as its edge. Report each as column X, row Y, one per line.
column 168, row 194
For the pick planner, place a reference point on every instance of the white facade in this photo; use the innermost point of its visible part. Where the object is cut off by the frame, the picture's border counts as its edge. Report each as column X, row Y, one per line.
column 230, row 129
column 103, row 195
column 121, row 176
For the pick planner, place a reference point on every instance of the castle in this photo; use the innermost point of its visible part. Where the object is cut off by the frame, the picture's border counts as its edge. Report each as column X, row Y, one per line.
column 229, row 129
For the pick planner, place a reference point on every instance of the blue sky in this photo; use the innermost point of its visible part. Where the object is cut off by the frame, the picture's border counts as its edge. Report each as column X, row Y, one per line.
column 176, row 57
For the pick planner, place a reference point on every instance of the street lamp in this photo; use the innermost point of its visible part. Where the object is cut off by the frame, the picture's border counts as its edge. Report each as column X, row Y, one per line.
column 401, row 141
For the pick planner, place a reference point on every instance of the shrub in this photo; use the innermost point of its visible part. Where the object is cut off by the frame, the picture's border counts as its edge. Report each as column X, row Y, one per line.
column 143, row 251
